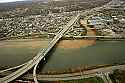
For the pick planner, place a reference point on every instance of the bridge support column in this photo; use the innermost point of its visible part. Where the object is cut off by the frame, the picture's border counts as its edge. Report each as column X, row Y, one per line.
column 104, row 77
column 108, row 78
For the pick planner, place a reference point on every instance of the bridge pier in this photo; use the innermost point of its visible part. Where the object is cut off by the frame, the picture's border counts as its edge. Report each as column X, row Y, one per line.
column 105, row 77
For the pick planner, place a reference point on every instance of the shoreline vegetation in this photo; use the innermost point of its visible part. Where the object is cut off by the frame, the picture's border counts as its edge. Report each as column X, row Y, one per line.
column 32, row 43
column 81, row 68
column 75, row 70
column 39, row 43
column 65, row 44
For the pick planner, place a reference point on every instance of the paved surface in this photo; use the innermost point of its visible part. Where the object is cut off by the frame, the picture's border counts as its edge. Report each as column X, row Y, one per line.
column 39, row 56
column 43, row 53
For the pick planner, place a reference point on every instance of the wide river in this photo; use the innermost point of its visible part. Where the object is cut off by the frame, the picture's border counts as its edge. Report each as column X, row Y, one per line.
column 69, row 53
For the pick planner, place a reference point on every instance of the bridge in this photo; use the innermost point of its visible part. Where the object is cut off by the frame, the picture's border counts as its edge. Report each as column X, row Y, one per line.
column 41, row 55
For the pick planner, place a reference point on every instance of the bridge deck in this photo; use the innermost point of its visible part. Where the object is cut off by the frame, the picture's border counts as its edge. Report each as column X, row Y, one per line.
column 39, row 56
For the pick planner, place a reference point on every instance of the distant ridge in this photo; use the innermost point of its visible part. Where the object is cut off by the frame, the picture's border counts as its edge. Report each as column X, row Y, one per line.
column 12, row 5
column 37, row 5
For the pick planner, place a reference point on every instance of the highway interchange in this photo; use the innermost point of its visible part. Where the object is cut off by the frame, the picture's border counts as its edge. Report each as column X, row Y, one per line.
column 39, row 56
column 42, row 53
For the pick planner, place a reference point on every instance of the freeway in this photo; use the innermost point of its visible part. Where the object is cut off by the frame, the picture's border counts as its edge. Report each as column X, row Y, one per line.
column 55, row 40
column 41, row 55
column 12, row 68
column 88, row 36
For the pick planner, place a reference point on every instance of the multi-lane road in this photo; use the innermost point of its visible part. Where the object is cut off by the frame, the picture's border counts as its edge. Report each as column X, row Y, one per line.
column 43, row 52
column 39, row 56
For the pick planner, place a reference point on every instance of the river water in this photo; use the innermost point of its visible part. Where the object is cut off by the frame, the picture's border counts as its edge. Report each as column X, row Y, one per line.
column 103, row 52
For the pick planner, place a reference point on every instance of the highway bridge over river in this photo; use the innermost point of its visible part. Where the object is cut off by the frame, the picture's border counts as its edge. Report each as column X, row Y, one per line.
column 43, row 52
column 41, row 55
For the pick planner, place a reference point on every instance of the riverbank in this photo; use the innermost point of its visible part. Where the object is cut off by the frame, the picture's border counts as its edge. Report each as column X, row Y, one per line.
column 14, row 50
column 75, row 70
column 102, row 52
column 28, row 43
column 77, row 75
column 74, row 44
column 79, row 43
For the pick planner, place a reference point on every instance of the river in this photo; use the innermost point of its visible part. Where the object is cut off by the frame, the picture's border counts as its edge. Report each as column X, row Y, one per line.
column 64, row 57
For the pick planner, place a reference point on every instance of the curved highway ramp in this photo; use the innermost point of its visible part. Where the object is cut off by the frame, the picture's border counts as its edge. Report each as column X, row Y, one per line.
column 30, row 64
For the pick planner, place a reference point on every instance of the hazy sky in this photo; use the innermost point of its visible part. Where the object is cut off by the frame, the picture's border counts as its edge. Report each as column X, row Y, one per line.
column 2, row 1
